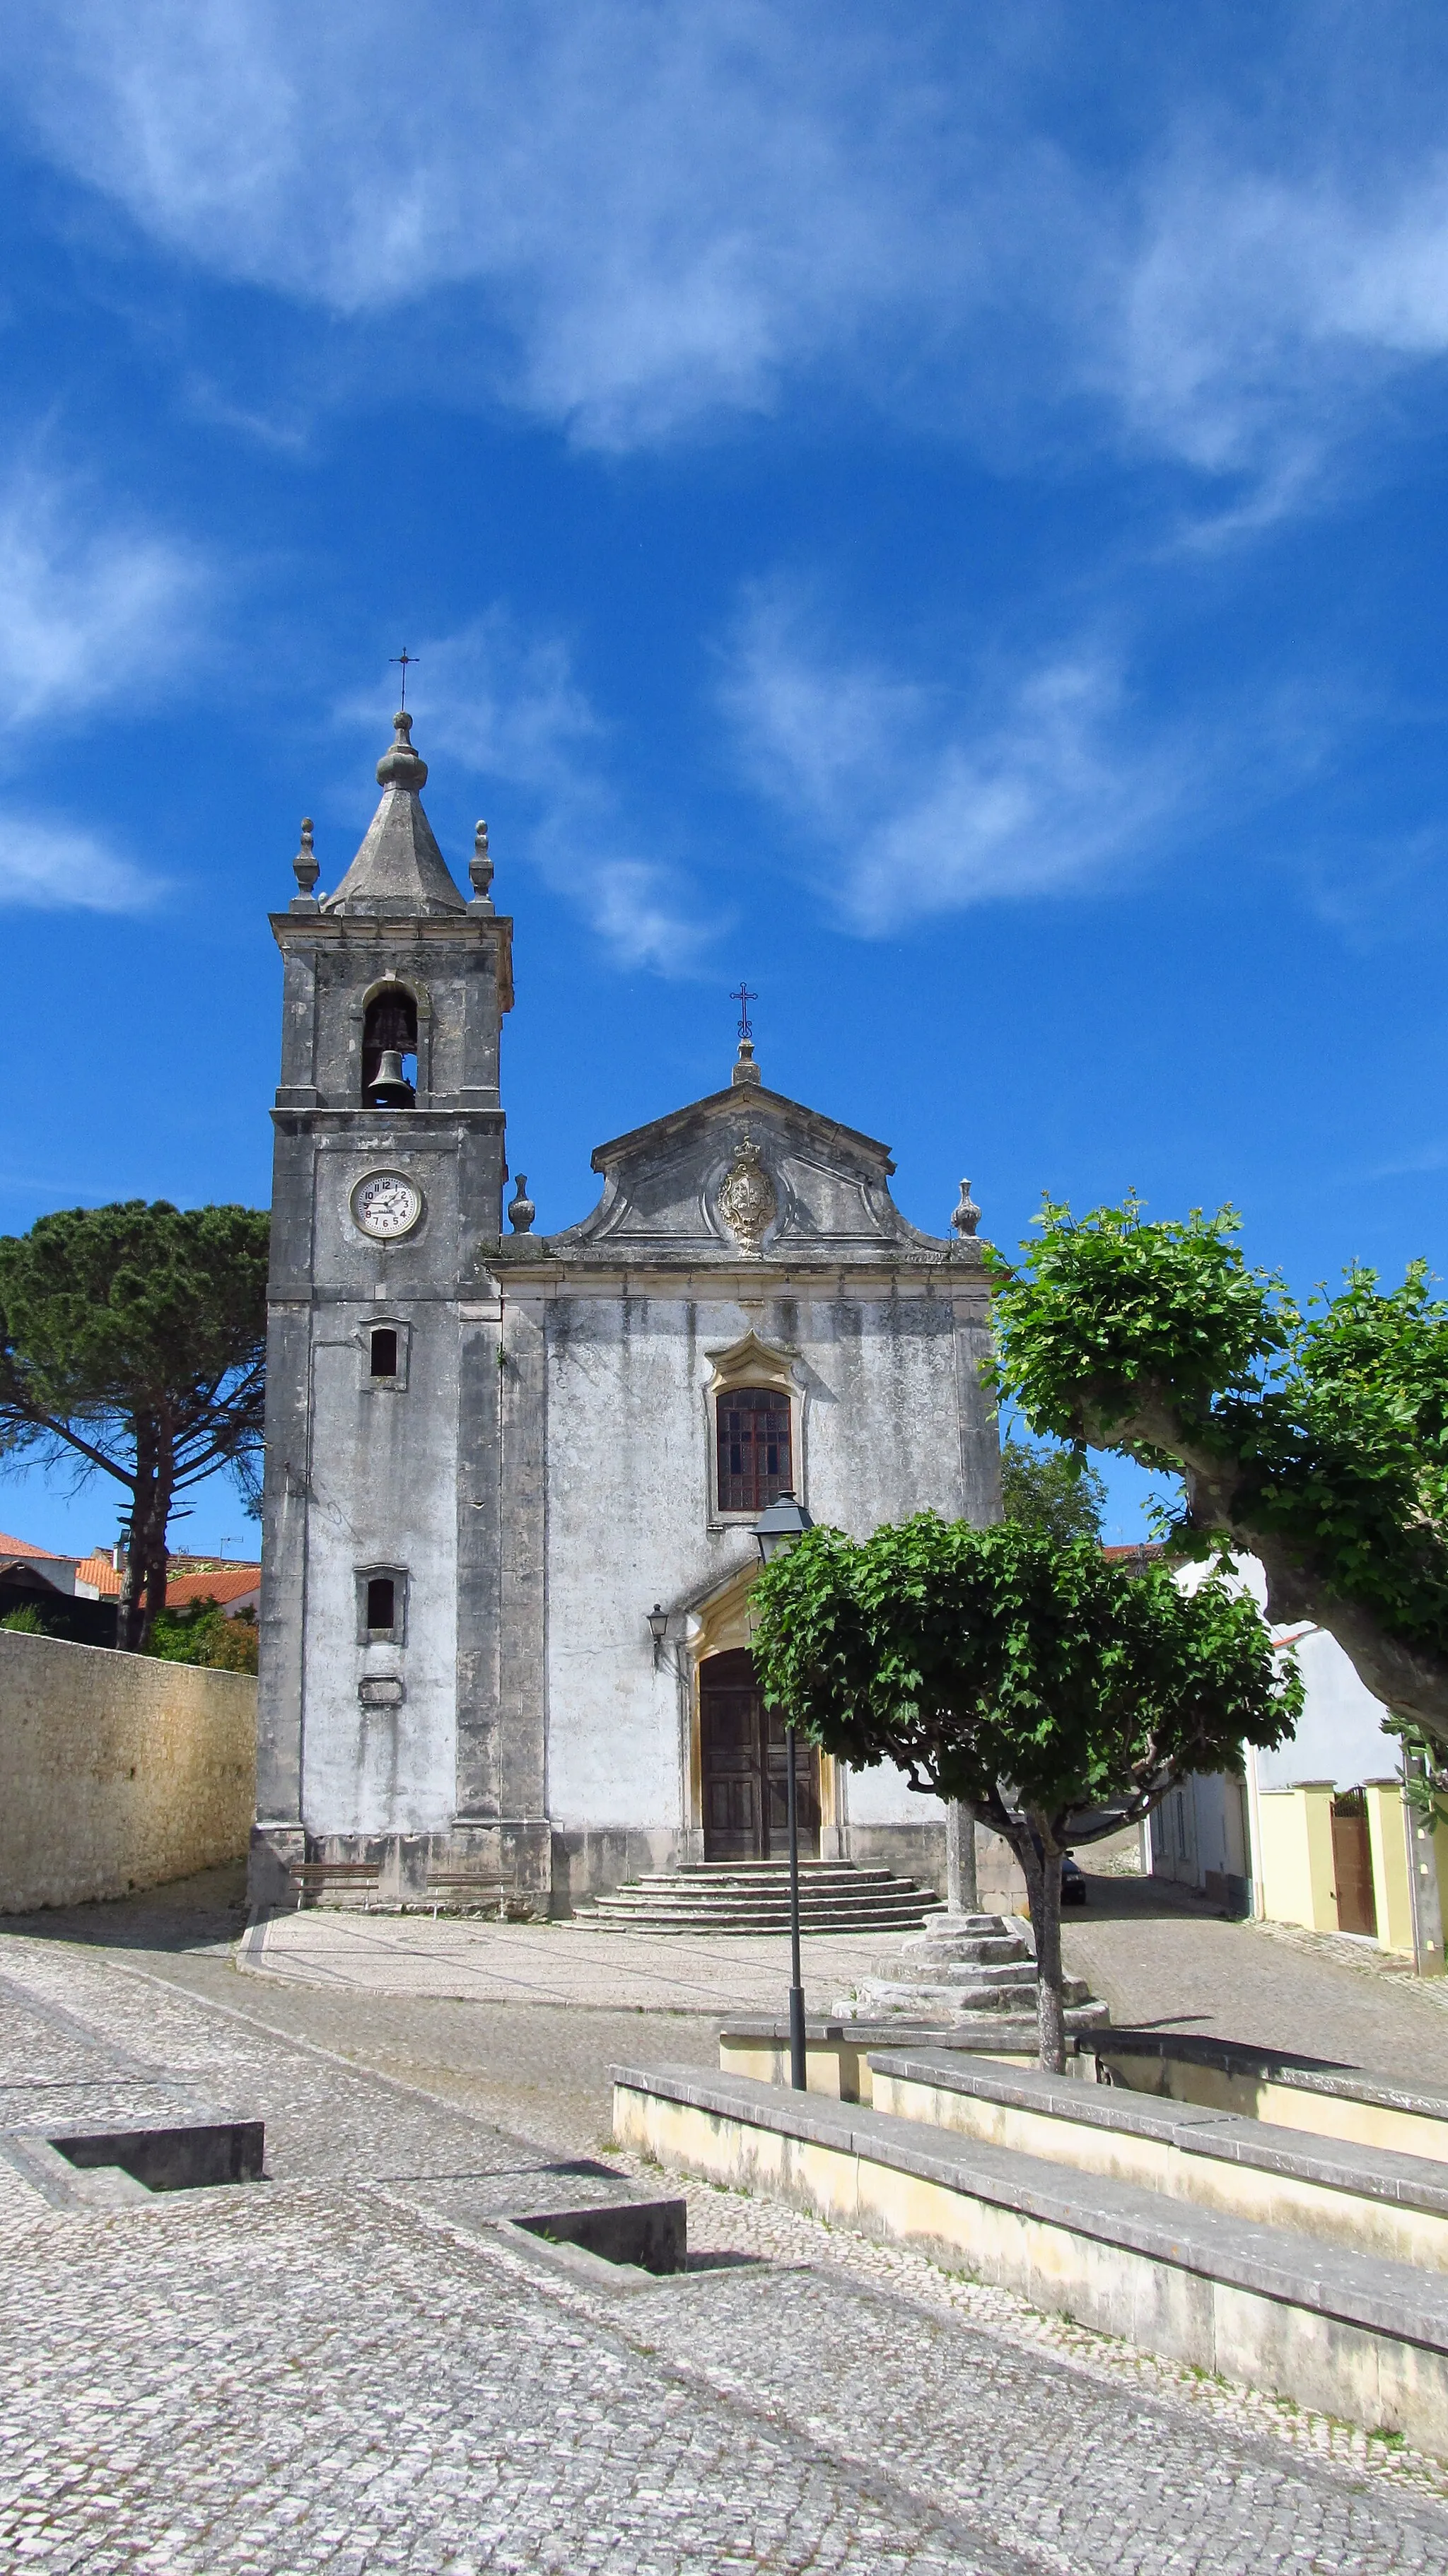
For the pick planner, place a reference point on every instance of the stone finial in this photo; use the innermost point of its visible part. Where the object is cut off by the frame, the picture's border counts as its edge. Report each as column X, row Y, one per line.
column 521, row 1210
column 746, row 1070
column 402, row 766
column 304, row 865
column 967, row 1214
column 480, row 869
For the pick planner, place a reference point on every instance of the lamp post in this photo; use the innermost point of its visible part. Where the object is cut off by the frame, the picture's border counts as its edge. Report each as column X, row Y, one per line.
column 776, row 1530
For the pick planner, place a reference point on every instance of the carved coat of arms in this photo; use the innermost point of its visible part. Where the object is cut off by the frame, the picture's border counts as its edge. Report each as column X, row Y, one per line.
column 747, row 1202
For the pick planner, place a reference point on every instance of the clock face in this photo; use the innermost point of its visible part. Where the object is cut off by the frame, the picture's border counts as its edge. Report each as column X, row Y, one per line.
column 386, row 1205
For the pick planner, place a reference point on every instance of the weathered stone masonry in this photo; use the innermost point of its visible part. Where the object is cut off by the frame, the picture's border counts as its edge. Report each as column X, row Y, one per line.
column 537, row 1466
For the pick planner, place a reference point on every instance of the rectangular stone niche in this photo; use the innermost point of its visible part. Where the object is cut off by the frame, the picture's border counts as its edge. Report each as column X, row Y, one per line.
column 187, row 2157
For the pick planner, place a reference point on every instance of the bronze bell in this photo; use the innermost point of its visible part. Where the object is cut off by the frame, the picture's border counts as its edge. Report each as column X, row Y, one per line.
column 389, row 1088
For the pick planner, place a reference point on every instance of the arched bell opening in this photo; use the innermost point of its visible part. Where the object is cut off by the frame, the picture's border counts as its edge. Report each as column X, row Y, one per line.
column 389, row 1049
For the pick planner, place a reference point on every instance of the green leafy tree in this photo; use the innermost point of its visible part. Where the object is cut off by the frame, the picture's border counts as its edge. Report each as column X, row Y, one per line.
column 1313, row 1437
column 201, row 1633
column 1051, row 1490
column 131, row 1343
column 1060, row 1695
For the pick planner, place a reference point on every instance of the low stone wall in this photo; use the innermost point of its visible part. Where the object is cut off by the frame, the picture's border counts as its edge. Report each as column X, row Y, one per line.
column 1352, row 2334
column 116, row 1771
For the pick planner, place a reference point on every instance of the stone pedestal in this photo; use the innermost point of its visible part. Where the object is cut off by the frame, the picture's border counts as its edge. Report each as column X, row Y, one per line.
column 967, row 1972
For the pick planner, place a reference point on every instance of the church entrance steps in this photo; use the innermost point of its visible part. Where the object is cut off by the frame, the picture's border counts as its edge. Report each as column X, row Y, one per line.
column 753, row 1896
column 1358, row 2334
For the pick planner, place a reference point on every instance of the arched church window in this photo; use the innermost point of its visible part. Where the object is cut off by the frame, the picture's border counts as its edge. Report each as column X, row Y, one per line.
column 384, row 1352
column 390, row 1029
column 381, row 1602
column 754, row 1448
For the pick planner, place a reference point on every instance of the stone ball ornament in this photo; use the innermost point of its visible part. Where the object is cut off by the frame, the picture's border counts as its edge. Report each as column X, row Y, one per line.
column 385, row 1206
column 747, row 1201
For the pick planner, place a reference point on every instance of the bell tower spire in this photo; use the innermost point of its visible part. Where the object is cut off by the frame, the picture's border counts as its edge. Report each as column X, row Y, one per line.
column 379, row 1728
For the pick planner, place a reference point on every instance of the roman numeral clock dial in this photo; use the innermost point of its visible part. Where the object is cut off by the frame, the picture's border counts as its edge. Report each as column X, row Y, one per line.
column 386, row 1205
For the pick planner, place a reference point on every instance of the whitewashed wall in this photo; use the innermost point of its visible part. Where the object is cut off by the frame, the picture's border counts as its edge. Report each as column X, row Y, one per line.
column 629, row 1433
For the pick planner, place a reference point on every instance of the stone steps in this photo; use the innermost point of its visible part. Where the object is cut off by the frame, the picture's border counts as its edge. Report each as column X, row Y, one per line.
column 743, row 1897
column 962, row 1970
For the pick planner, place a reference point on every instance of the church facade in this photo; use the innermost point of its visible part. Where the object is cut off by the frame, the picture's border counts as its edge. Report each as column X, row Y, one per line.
column 512, row 1479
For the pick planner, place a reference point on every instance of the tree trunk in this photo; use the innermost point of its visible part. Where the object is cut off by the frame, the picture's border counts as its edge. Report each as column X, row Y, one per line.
column 1042, row 1867
column 1408, row 1677
column 143, row 1591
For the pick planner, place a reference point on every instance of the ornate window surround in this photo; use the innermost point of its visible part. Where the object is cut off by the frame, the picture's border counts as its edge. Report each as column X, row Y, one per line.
column 750, row 1362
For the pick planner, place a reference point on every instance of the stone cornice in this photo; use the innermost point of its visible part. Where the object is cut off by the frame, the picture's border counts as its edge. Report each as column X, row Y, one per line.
column 341, row 930
column 693, row 1274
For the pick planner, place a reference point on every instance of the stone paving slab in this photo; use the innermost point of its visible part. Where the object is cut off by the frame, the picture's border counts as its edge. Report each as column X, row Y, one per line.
column 552, row 1963
column 336, row 2371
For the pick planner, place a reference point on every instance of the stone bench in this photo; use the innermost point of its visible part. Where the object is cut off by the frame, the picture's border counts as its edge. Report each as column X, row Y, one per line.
column 1369, row 2198
column 1333, row 2101
column 838, row 2053
column 316, row 1878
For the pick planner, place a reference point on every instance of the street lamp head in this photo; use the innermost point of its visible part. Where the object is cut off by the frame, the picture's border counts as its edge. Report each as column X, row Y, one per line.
column 658, row 1623
column 780, row 1525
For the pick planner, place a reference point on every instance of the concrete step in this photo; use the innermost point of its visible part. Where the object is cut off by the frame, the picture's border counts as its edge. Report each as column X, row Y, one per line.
column 1371, row 2198
column 847, row 1920
column 767, row 1877
column 753, row 1896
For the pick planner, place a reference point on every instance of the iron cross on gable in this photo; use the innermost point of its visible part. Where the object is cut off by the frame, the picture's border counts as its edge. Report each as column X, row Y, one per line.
column 407, row 660
column 744, row 997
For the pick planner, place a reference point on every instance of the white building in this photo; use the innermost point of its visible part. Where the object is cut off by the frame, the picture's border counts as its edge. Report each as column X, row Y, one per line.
column 1318, row 1832
column 491, row 1457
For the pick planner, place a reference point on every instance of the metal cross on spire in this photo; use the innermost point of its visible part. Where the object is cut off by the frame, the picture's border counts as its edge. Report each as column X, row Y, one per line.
column 407, row 661
column 744, row 997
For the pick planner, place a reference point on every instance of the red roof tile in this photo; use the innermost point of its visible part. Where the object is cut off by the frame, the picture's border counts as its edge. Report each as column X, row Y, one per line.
column 224, row 1583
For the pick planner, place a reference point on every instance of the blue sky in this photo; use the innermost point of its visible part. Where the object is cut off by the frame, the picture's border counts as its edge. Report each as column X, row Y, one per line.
column 940, row 511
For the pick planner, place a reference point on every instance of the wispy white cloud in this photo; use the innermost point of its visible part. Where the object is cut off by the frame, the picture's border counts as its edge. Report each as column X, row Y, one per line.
column 1261, row 319
column 659, row 213
column 50, row 866
column 916, row 799
column 91, row 612
column 88, row 608
column 505, row 705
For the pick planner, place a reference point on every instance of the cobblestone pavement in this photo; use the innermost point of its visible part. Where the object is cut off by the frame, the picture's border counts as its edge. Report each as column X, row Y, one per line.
column 1160, row 1958
column 348, row 2368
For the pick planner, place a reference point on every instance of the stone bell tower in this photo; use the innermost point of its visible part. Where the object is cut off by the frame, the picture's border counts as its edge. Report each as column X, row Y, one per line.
column 383, row 1591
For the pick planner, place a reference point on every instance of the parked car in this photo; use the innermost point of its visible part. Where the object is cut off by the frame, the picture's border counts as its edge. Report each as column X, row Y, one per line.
column 1073, row 1882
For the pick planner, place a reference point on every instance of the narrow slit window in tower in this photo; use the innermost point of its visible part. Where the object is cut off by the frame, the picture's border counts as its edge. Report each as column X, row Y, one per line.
column 384, row 1351
column 381, row 1597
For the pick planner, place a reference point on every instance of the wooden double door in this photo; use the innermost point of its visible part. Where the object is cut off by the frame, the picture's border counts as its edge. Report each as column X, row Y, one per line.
column 746, row 1769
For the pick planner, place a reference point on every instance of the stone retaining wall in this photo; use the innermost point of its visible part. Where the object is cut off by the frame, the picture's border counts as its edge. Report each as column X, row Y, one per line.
column 116, row 1771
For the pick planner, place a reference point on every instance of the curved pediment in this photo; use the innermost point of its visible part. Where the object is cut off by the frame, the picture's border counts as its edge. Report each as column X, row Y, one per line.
column 746, row 1175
